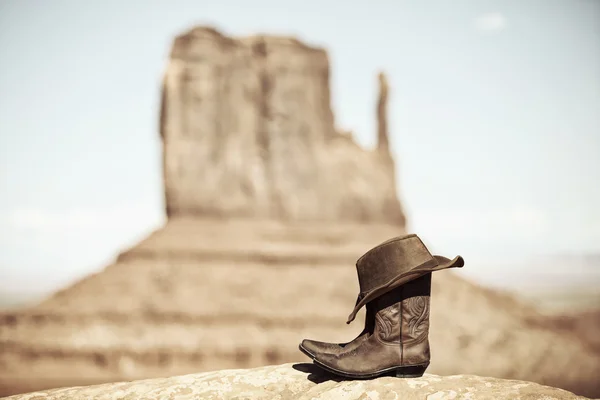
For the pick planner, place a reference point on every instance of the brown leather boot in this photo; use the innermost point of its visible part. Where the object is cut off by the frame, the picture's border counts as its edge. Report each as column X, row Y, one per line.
column 313, row 347
column 395, row 281
column 399, row 344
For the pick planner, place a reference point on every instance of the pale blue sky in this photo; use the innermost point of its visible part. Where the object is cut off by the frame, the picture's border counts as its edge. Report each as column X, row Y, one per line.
column 495, row 119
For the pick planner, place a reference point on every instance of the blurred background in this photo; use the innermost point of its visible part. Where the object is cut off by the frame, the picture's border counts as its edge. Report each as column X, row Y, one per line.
column 494, row 127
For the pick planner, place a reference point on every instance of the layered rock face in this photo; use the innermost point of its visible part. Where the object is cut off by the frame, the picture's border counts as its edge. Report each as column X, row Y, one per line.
column 248, row 131
column 304, row 382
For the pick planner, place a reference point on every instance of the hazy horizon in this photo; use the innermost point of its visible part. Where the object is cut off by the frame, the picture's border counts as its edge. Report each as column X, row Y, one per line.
column 494, row 122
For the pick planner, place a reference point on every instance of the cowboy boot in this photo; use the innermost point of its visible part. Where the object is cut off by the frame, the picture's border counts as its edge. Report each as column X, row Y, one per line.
column 395, row 282
column 313, row 347
column 399, row 344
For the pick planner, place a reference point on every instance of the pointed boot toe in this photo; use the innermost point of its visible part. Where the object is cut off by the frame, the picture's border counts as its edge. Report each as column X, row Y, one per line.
column 313, row 347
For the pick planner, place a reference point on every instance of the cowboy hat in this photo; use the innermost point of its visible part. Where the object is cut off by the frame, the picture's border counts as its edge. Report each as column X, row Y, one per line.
column 393, row 263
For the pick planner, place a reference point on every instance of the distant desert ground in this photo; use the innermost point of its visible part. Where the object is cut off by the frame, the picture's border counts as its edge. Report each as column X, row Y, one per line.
column 562, row 300
column 550, row 287
column 553, row 284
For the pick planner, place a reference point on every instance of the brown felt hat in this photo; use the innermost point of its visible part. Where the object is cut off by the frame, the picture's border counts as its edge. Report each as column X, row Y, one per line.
column 392, row 264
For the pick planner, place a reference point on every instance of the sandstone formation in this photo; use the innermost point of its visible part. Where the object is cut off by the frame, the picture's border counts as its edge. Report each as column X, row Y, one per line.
column 304, row 382
column 382, row 128
column 248, row 131
column 269, row 207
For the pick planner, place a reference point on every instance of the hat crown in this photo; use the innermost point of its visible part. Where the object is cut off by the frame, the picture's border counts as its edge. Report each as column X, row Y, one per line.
column 390, row 259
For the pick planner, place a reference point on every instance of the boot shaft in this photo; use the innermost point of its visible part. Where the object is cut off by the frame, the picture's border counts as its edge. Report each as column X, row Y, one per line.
column 402, row 318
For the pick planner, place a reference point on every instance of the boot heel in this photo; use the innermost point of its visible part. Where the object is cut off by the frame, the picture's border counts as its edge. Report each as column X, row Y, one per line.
column 411, row 371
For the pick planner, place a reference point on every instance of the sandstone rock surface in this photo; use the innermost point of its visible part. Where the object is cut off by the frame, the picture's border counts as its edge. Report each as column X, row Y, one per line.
column 248, row 131
column 304, row 381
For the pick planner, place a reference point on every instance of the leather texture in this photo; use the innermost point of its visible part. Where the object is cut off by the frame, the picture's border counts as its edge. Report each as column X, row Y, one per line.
column 395, row 286
column 399, row 339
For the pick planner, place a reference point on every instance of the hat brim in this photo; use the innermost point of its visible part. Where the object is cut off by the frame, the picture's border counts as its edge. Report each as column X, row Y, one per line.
column 435, row 264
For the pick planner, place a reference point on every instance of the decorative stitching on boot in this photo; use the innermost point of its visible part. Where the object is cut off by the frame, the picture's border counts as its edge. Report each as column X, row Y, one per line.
column 389, row 320
column 418, row 322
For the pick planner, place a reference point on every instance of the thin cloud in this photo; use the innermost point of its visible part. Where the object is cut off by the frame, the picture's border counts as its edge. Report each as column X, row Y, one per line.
column 490, row 22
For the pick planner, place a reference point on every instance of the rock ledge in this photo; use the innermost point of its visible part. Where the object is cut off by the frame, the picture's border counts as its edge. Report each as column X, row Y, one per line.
column 305, row 381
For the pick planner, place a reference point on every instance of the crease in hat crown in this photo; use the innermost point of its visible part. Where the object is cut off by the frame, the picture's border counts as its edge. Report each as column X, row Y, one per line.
column 390, row 258
column 392, row 240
